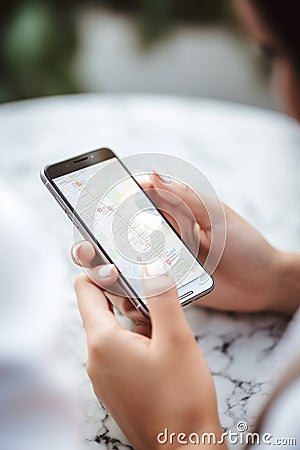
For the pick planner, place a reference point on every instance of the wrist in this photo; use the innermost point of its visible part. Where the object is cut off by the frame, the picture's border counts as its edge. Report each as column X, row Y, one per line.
column 285, row 283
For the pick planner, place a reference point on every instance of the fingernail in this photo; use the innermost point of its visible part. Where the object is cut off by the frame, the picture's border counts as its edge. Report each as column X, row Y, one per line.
column 162, row 177
column 156, row 268
column 105, row 271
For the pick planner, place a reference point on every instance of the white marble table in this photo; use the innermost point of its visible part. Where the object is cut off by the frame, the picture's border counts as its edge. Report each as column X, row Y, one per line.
column 251, row 156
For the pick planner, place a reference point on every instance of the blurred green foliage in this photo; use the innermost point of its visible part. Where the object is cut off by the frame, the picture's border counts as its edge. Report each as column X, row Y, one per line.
column 37, row 43
column 38, row 38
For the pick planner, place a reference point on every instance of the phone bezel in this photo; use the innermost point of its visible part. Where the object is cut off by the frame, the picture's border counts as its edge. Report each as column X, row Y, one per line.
column 89, row 159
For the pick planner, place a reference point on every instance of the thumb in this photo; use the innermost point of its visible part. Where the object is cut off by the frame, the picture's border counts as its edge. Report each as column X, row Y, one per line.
column 167, row 318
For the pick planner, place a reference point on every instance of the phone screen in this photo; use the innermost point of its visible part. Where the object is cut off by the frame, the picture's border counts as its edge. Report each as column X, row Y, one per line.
column 126, row 223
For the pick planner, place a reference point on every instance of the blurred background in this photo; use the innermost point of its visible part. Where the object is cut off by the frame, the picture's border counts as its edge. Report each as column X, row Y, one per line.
column 194, row 47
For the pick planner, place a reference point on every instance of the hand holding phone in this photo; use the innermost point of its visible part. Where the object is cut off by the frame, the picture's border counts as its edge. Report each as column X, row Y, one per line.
column 112, row 211
column 142, row 380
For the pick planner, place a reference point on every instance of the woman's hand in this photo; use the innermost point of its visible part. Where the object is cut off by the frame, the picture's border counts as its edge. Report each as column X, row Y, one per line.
column 251, row 275
column 148, row 384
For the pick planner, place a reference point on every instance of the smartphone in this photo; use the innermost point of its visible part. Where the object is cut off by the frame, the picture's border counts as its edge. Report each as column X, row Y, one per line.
column 112, row 211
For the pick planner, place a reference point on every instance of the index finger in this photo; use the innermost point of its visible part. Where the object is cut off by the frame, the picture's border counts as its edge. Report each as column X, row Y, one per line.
column 93, row 306
column 179, row 194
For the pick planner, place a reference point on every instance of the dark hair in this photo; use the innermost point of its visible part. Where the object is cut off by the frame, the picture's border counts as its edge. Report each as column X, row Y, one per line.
column 282, row 18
